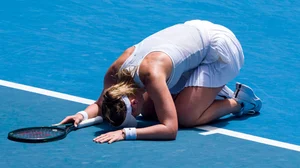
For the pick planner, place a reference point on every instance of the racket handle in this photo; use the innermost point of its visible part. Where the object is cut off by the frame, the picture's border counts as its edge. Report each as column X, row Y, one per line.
column 89, row 122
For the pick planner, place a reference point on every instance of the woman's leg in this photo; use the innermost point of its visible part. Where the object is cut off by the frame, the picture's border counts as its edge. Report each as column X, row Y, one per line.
column 148, row 111
column 197, row 106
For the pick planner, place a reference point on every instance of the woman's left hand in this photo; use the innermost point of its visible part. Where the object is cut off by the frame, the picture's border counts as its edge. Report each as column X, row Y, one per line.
column 110, row 137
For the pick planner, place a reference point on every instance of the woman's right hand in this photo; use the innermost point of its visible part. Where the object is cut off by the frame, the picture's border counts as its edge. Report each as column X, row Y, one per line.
column 76, row 119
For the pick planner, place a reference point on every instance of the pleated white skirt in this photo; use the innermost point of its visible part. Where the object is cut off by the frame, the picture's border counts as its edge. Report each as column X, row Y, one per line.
column 228, row 51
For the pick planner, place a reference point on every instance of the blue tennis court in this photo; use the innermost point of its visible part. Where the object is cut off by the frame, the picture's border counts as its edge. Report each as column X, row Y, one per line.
column 54, row 55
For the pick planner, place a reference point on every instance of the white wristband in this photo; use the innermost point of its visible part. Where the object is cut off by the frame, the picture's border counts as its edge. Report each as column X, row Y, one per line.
column 84, row 114
column 130, row 133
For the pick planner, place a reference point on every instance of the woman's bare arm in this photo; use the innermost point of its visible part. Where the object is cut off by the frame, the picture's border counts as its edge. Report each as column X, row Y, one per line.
column 154, row 72
column 166, row 112
column 165, row 109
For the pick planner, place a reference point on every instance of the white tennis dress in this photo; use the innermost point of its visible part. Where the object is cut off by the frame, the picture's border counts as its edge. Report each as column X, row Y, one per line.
column 203, row 54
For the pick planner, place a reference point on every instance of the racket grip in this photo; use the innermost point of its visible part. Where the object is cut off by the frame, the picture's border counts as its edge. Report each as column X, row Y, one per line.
column 89, row 122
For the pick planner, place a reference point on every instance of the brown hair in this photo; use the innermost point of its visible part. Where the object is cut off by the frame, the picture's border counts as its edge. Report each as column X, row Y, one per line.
column 113, row 108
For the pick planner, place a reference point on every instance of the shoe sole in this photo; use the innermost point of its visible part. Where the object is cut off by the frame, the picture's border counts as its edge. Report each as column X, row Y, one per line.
column 249, row 91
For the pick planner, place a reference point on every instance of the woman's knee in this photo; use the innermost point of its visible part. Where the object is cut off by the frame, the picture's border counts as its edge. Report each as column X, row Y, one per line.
column 202, row 120
column 185, row 123
column 187, row 117
column 186, row 120
column 192, row 103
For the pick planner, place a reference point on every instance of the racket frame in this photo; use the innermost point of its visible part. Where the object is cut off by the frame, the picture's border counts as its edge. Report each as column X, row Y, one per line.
column 65, row 128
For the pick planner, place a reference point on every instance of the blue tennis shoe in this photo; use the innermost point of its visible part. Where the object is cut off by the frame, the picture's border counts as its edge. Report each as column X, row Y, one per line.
column 245, row 96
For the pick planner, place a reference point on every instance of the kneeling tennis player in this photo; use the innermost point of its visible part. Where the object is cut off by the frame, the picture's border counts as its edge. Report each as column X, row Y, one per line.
column 177, row 75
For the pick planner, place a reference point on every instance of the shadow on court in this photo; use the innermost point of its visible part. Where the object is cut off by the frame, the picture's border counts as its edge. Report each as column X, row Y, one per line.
column 222, row 122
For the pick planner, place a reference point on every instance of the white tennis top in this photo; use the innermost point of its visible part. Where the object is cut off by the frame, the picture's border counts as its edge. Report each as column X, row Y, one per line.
column 186, row 45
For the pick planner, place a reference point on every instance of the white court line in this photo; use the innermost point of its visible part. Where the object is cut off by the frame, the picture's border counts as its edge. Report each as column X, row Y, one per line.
column 210, row 130
column 46, row 92
column 214, row 130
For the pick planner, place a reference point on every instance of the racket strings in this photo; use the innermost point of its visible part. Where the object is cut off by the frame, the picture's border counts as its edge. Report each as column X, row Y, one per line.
column 38, row 133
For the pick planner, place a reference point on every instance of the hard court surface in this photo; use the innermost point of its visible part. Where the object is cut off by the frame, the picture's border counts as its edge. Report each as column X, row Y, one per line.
column 54, row 54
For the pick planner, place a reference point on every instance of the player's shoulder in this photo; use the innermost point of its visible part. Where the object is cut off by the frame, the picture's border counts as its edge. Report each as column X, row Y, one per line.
column 123, row 57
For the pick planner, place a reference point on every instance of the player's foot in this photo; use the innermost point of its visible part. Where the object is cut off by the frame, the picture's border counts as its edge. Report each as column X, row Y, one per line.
column 225, row 93
column 249, row 102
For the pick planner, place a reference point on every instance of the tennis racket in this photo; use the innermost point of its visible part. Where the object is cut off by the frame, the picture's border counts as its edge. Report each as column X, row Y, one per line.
column 49, row 133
